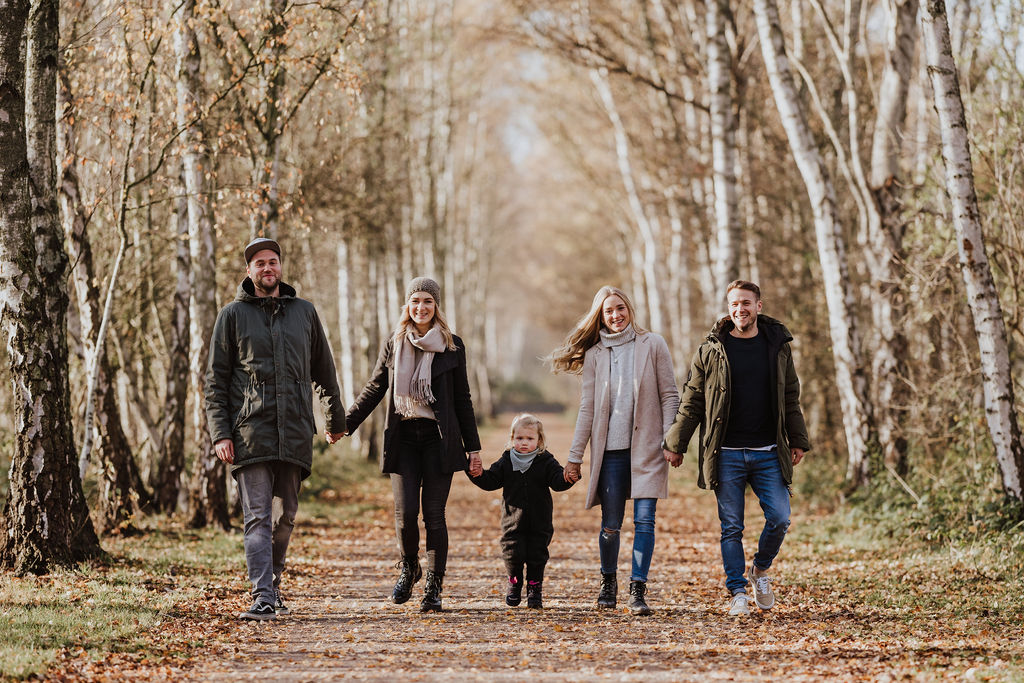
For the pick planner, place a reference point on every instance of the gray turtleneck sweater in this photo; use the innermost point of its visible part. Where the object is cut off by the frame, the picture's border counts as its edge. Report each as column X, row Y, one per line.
column 620, row 421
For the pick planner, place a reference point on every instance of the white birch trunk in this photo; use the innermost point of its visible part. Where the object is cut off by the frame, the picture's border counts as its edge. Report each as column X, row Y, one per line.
column 982, row 298
column 345, row 324
column 643, row 223
column 831, row 246
column 723, row 145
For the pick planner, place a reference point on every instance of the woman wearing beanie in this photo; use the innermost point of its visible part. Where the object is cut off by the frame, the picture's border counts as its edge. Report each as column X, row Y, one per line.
column 429, row 430
column 628, row 402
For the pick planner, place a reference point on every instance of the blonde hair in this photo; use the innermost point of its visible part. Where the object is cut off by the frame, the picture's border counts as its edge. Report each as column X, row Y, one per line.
column 526, row 420
column 405, row 322
column 569, row 356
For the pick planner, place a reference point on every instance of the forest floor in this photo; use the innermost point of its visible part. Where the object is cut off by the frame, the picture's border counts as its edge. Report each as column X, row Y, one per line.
column 848, row 608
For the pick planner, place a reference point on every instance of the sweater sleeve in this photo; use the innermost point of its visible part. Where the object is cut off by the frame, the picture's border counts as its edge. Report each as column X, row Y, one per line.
column 555, row 475
column 492, row 478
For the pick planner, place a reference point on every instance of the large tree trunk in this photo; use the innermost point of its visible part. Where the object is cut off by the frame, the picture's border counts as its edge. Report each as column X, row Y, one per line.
column 891, row 391
column 831, row 246
column 723, row 145
column 166, row 476
column 265, row 219
column 208, row 503
column 982, row 297
column 46, row 522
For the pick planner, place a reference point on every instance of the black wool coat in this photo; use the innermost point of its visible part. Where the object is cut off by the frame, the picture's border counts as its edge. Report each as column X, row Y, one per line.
column 453, row 407
column 526, row 496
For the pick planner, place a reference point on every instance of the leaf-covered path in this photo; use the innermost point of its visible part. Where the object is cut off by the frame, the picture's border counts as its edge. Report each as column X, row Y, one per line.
column 830, row 622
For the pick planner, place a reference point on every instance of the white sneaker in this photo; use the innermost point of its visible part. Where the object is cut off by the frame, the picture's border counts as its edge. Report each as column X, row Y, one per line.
column 763, row 595
column 738, row 606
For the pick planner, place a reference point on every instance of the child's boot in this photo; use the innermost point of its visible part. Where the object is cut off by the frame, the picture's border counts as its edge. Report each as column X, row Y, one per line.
column 534, row 598
column 514, row 596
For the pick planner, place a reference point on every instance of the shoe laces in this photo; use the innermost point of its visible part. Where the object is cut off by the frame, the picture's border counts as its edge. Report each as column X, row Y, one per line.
column 763, row 584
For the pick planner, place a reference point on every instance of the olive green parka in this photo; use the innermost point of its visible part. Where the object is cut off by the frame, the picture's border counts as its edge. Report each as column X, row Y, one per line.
column 705, row 400
column 265, row 355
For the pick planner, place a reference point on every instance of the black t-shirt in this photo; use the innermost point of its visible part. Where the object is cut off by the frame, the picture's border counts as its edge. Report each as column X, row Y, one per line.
column 751, row 423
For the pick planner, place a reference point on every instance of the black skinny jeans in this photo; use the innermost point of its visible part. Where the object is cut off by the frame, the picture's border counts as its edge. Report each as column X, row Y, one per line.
column 419, row 469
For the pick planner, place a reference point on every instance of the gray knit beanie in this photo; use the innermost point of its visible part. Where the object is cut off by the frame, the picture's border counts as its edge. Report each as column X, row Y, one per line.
column 424, row 284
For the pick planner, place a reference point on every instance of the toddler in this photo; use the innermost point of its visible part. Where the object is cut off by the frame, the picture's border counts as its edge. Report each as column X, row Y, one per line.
column 526, row 473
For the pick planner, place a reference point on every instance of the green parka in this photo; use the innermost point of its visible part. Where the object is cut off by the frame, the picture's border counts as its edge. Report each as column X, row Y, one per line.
column 265, row 354
column 705, row 400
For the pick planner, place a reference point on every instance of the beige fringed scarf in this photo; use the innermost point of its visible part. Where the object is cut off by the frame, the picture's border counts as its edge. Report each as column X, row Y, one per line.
column 412, row 374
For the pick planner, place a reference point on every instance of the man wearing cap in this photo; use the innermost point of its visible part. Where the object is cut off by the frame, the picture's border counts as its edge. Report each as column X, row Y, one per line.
column 268, row 350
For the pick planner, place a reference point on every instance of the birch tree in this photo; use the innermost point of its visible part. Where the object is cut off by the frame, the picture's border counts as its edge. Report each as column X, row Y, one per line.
column 831, row 245
column 45, row 515
column 982, row 298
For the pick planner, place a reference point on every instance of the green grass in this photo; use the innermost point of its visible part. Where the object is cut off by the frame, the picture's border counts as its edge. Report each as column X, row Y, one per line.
column 112, row 604
column 156, row 594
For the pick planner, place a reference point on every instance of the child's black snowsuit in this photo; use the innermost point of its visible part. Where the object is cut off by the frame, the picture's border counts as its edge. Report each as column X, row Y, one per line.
column 526, row 514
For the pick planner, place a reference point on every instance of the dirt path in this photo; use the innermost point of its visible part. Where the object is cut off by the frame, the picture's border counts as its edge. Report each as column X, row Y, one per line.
column 343, row 625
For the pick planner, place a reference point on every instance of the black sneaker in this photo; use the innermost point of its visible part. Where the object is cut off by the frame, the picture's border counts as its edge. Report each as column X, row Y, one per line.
column 260, row 611
column 514, row 595
column 279, row 606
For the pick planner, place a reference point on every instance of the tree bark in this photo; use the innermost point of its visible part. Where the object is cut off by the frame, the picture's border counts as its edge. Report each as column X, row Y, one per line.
column 723, row 145
column 886, row 227
column 208, row 503
column 166, row 476
column 982, row 297
column 831, row 246
column 46, row 521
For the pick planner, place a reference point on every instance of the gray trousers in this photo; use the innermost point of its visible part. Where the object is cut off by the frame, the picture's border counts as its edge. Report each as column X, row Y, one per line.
column 270, row 497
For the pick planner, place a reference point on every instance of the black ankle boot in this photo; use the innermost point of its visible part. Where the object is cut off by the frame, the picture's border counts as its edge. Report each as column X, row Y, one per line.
column 609, row 590
column 514, row 596
column 637, row 604
column 534, row 598
column 432, row 593
column 410, row 574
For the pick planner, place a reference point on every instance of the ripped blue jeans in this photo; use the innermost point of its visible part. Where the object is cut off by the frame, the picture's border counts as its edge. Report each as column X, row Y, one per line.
column 613, row 489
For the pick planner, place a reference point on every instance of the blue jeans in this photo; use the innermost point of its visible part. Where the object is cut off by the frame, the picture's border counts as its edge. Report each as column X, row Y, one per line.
column 613, row 488
column 761, row 469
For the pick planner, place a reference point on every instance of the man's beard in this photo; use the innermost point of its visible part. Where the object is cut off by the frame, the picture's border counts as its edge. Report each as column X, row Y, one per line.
column 260, row 285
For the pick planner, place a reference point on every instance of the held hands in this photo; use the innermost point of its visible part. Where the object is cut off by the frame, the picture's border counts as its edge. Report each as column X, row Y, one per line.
column 225, row 450
column 476, row 466
column 572, row 472
column 674, row 459
column 798, row 455
column 334, row 437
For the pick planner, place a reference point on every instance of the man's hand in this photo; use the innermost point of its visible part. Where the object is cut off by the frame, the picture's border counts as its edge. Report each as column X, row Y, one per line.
column 476, row 466
column 572, row 472
column 798, row 455
column 674, row 459
column 225, row 450
column 333, row 437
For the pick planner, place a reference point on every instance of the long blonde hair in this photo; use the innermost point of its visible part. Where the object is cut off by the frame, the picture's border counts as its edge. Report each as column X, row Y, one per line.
column 569, row 356
column 405, row 322
column 526, row 420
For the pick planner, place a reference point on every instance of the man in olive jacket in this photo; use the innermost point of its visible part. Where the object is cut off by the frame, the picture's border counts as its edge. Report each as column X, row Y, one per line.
column 743, row 392
column 268, row 349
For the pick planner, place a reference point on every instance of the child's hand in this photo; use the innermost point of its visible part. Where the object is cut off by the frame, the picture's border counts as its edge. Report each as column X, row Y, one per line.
column 572, row 472
column 476, row 466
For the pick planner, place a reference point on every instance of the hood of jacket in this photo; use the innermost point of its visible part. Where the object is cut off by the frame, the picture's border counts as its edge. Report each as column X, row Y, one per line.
column 247, row 292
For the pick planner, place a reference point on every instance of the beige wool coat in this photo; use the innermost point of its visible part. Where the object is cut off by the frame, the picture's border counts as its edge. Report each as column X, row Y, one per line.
column 655, row 401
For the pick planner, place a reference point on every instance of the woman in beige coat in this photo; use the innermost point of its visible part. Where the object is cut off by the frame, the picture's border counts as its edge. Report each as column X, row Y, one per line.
column 628, row 401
